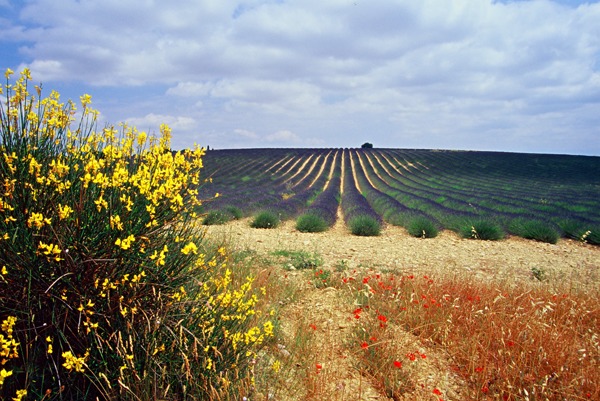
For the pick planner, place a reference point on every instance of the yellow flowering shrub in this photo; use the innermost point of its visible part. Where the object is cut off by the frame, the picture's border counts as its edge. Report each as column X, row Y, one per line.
column 107, row 289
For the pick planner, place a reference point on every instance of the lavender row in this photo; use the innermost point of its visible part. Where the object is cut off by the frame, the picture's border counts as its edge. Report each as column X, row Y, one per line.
column 353, row 203
column 385, row 205
column 481, row 202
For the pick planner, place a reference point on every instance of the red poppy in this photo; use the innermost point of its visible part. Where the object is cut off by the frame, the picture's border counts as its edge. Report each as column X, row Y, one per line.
column 485, row 389
column 437, row 392
column 382, row 318
column 411, row 356
column 319, row 367
column 364, row 345
column 398, row 364
column 313, row 326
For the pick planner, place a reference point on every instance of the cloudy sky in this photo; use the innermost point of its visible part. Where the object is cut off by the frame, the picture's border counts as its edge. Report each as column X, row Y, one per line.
column 518, row 76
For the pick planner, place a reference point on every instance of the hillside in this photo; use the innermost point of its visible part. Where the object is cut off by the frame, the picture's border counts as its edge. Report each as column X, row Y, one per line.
column 450, row 189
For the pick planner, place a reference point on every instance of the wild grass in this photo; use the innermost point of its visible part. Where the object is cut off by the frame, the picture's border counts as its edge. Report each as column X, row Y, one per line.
column 503, row 340
column 407, row 335
column 298, row 260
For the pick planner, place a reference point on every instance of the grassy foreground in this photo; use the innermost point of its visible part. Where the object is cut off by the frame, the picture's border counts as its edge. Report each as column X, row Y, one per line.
column 356, row 334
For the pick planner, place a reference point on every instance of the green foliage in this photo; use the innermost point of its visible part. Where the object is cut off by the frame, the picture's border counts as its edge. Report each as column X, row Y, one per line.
column 422, row 227
column 228, row 213
column 323, row 278
column 591, row 236
column 265, row 219
column 234, row 211
column 365, row 226
column 580, row 231
column 299, row 259
column 538, row 273
column 105, row 282
column 215, row 217
column 482, row 229
column 572, row 228
column 311, row 223
column 534, row 229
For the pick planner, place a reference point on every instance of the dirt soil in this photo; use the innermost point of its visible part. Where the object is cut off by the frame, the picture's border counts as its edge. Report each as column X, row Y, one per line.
column 395, row 250
column 571, row 262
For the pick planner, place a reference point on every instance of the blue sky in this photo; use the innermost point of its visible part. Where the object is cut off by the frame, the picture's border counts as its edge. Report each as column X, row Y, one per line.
column 519, row 76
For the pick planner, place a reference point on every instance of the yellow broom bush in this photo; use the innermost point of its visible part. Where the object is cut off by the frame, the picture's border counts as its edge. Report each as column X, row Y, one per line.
column 107, row 289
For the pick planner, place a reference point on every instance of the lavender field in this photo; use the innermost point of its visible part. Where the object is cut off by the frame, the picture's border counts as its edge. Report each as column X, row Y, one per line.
column 520, row 193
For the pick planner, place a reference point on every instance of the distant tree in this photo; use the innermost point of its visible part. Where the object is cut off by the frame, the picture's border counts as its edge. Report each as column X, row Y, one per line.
column 367, row 145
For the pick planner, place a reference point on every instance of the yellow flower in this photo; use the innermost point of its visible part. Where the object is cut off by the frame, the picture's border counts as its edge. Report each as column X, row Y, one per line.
column 8, row 73
column 37, row 220
column 190, row 247
column 20, row 395
column 64, row 211
column 50, row 250
column 3, row 375
column 85, row 100
column 4, row 272
column 268, row 328
column 125, row 243
column 8, row 324
column 276, row 366
column 73, row 362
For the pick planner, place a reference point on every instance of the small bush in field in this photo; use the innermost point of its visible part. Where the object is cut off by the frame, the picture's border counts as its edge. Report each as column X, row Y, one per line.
column 234, row 211
column 482, row 229
column 265, row 219
column 365, row 226
column 572, row 229
column 311, row 223
column 591, row 236
column 535, row 229
column 422, row 227
column 215, row 217
column 107, row 288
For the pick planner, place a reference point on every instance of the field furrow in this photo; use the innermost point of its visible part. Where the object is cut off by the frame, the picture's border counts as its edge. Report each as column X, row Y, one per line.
column 521, row 194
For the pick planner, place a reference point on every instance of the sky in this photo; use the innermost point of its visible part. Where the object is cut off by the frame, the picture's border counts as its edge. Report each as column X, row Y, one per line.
column 516, row 76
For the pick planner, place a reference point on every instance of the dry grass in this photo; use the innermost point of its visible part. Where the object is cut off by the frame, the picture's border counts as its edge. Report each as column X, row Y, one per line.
column 379, row 333
column 430, row 338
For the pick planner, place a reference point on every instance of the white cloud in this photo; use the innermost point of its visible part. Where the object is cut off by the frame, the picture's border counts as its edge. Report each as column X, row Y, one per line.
column 153, row 121
column 283, row 136
column 459, row 69
column 245, row 134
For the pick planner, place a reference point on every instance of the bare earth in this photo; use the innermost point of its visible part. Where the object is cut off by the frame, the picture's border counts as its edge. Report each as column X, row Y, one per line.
column 395, row 250
column 568, row 262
